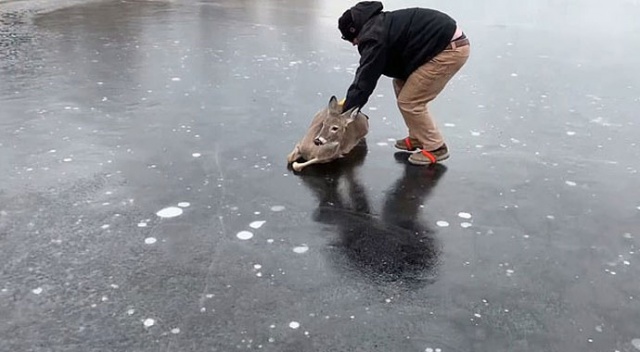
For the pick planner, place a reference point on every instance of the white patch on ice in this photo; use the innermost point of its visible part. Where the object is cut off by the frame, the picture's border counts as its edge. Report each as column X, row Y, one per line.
column 149, row 322
column 294, row 325
column 464, row 215
column 477, row 315
column 277, row 208
column 150, row 240
column 442, row 223
column 245, row 235
column 176, row 79
column 67, row 160
column 270, row 240
column 551, row 217
column 382, row 144
column 196, row 155
column 474, row 133
column 509, row 272
column 257, row 224
column 301, row 249
column 104, row 227
column 571, row 133
column 169, row 212
column 636, row 343
column 175, row 331
column 450, row 125
column 373, row 108
column 601, row 121
column 142, row 224
column 131, row 311
column 465, row 225
column 570, row 183
column 257, row 266
column 481, row 106
column 52, row 151
column 37, row 291
column 514, row 75
column 184, row 204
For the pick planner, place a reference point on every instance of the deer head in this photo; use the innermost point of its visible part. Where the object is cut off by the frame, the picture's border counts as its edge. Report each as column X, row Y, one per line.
column 334, row 123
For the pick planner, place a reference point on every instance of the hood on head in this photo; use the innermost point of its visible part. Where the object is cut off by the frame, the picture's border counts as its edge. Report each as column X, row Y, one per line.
column 352, row 20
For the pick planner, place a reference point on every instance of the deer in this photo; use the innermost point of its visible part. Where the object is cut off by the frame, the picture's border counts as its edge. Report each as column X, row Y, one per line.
column 331, row 135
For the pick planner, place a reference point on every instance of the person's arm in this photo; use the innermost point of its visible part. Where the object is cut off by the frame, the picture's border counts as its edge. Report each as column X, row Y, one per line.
column 373, row 58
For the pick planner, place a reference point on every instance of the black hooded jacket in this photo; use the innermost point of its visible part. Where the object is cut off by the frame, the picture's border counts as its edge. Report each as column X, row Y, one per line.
column 394, row 44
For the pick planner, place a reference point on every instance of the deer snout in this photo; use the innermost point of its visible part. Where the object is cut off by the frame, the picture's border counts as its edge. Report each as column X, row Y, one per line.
column 319, row 141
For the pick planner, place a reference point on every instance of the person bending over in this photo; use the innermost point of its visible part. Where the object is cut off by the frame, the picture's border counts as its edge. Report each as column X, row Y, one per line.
column 421, row 49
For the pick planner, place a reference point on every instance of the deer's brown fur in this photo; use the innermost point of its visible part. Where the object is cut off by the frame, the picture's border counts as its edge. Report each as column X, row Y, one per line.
column 331, row 135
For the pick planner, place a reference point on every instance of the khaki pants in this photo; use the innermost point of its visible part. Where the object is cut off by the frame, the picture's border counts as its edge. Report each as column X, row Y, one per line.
column 422, row 86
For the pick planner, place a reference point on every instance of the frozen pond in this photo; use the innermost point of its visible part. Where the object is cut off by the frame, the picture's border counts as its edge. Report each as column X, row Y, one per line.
column 146, row 205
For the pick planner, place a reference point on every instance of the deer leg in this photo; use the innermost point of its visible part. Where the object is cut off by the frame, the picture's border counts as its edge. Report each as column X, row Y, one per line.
column 299, row 166
column 294, row 155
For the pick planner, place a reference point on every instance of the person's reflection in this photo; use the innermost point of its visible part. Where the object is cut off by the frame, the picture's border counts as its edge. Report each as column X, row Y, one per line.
column 394, row 246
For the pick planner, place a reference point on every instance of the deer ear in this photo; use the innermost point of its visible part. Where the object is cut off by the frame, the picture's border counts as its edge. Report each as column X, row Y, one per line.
column 353, row 113
column 333, row 104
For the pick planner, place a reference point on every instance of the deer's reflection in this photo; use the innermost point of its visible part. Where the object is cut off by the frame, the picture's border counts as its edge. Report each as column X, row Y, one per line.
column 394, row 245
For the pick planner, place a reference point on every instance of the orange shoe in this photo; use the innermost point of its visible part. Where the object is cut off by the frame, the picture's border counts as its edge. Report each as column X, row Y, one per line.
column 425, row 157
column 408, row 144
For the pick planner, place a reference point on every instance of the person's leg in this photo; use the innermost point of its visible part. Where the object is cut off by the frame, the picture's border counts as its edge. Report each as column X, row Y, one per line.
column 409, row 143
column 423, row 86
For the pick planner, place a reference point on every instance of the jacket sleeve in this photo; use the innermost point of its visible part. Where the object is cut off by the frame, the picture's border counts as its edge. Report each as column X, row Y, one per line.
column 373, row 58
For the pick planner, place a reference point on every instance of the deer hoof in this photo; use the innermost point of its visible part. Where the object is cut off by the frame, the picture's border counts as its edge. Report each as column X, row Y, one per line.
column 297, row 166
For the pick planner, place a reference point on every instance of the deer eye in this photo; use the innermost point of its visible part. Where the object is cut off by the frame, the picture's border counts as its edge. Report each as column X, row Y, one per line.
column 334, row 128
